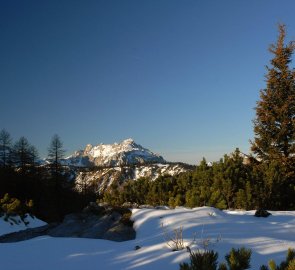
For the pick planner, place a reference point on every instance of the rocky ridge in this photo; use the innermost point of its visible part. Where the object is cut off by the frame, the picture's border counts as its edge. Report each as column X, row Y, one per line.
column 100, row 179
column 118, row 154
column 96, row 167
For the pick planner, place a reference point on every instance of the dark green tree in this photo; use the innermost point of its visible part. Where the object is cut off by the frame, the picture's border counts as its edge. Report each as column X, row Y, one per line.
column 5, row 147
column 274, row 125
column 34, row 155
column 23, row 153
column 55, row 154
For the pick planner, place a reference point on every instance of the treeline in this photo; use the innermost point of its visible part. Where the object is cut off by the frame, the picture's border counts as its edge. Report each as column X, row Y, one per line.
column 229, row 183
column 46, row 187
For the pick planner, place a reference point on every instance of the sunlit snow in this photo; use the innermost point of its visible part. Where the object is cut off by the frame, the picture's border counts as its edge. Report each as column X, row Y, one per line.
column 269, row 238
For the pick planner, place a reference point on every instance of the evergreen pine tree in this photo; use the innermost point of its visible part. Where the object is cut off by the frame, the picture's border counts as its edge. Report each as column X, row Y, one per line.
column 274, row 126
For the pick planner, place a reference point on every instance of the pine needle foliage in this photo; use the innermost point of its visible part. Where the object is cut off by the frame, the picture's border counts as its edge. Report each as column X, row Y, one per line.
column 288, row 264
column 274, row 125
column 238, row 259
column 201, row 260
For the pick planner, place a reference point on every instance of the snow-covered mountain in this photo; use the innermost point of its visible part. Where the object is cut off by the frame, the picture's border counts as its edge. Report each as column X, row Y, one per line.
column 97, row 167
column 118, row 154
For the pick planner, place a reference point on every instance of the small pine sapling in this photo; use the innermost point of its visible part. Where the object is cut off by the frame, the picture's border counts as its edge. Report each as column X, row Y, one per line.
column 238, row 259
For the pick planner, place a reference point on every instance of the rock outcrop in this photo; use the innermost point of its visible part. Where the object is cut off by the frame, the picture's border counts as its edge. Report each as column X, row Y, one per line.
column 93, row 222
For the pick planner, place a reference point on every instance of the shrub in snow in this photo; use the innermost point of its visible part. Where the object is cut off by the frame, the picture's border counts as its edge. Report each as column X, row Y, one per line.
column 262, row 213
column 238, row 259
column 288, row 264
column 291, row 265
column 174, row 239
column 126, row 219
column 201, row 260
column 130, row 205
column 12, row 206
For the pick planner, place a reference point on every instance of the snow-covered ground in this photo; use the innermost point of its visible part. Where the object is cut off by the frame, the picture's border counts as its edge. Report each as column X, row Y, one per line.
column 14, row 224
column 269, row 238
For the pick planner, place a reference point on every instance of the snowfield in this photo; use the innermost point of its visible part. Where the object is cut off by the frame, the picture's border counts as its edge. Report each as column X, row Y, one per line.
column 15, row 224
column 269, row 238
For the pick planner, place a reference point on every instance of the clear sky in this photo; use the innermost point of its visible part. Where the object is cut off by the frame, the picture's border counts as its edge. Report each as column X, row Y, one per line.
column 179, row 77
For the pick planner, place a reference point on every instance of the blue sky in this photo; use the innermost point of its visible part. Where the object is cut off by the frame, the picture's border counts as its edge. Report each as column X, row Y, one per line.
column 179, row 77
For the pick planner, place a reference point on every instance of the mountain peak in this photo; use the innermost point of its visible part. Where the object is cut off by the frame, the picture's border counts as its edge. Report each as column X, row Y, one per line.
column 118, row 154
column 129, row 140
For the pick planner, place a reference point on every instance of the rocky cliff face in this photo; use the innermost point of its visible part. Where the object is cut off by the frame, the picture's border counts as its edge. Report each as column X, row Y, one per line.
column 110, row 155
column 100, row 179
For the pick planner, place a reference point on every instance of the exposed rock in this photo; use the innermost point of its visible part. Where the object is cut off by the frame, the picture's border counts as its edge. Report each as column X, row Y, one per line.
column 261, row 213
column 109, row 224
column 130, row 205
column 99, row 179
column 146, row 206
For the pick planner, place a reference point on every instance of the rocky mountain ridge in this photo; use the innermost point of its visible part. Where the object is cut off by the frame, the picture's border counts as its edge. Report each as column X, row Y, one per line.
column 96, row 168
column 100, row 179
column 111, row 155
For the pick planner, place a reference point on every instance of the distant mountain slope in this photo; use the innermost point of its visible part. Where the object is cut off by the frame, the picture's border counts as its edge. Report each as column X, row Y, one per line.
column 97, row 167
column 110, row 155
column 99, row 180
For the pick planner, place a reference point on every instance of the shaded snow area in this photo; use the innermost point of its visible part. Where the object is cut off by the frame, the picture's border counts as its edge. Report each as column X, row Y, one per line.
column 15, row 223
column 269, row 238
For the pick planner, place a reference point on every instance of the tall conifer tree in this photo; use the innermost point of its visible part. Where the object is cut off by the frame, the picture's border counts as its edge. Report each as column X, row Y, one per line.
column 22, row 153
column 274, row 125
column 55, row 154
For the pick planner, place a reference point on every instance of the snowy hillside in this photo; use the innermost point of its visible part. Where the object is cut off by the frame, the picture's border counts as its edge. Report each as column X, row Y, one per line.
column 14, row 224
column 99, row 166
column 269, row 238
column 125, row 153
